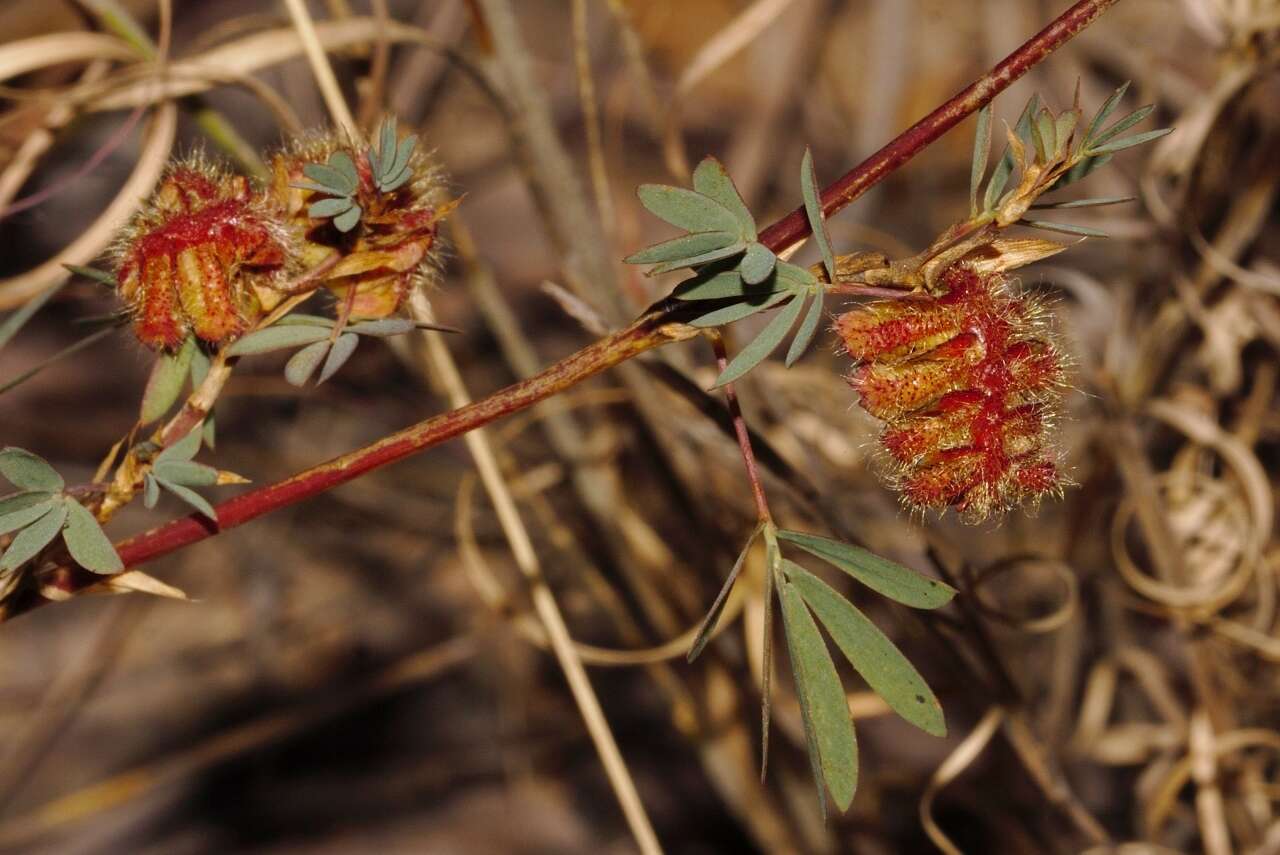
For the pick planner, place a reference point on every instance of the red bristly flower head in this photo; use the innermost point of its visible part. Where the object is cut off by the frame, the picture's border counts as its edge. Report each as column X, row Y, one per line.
column 965, row 383
column 192, row 260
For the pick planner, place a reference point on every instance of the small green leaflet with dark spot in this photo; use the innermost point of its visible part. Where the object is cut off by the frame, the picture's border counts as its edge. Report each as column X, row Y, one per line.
column 316, row 336
column 174, row 471
column 40, row 512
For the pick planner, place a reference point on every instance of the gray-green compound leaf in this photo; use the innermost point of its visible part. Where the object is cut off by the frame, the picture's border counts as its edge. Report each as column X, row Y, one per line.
column 191, row 497
column 150, row 492
column 881, row 575
column 833, row 745
column 808, row 328
column 764, row 344
column 346, row 221
column 758, row 264
column 87, row 543
column 683, row 247
column 303, row 364
column 890, row 674
column 23, row 509
column 27, row 472
column 738, row 311
column 813, row 210
column 35, row 537
column 687, row 209
column 168, row 376
column 712, row 179
column 329, row 207
column 186, row 473
column 183, row 449
column 383, row 328
column 339, row 354
column 277, row 338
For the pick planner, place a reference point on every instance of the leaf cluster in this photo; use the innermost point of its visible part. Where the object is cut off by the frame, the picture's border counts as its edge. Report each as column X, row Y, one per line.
column 809, row 603
column 41, row 511
column 339, row 180
column 321, row 340
column 735, row 275
column 175, row 471
column 1048, row 152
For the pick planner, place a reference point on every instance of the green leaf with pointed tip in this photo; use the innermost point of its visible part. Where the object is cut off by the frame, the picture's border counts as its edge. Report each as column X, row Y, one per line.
column 342, row 162
column 387, row 141
column 879, row 574
column 277, row 338
column 338, row 355
column 18, row 319
column 27, row 472
column 720, row 281
column 88, row 544
column 23, row 509
column 150, row 491
column 330, row 207
column 1105, row 111
column 1128, row 142
column 375, row 166
column 758, row 264
column 316, row 188
column 717, row 608
column 182, row 450
column 1080, row 170
column 981, row 152
column 711, row 179
column 34, row 537
column 698, row 260
column 168, row 376
column 384, row 327
column 1045, row 135
column 1065, row 126
column 808, row 327
column 191, row 497
column 1121, row 126
column 330, row 179
column 687, row 209
column 813, row 210
column 1095, row 202
column 186, row 473
column 300, row 319
column 397, row 182
column 93, row 273
column 346, row 221
column 890, row 674
column 762, row 345
column 738, row 311
column 684, row 247
column 1065, row 228
column 300, row 367
column 1004, row 168
column 828, row 725
column 403, row 153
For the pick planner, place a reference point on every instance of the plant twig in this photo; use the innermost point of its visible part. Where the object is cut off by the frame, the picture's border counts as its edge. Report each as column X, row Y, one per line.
column 656, row 327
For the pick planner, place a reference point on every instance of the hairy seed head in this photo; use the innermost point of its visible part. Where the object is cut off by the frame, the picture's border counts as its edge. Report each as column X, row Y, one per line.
column 966, row 383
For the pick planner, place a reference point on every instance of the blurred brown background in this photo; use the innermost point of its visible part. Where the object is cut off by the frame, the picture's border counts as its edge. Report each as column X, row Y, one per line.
column 357, row 673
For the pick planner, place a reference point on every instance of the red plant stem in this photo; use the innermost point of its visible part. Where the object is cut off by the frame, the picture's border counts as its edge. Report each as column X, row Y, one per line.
column 795, row 226
column 740, row 429
column 653, row 329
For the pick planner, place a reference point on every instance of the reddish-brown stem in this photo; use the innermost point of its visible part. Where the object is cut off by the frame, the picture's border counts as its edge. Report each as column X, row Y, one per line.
column 795, row 226
column 740, row 429
column 655, row 328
